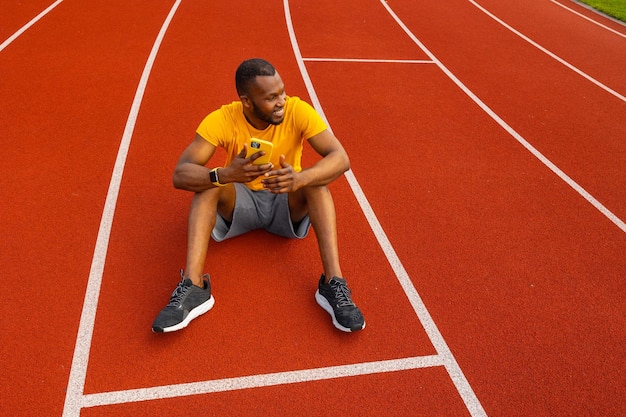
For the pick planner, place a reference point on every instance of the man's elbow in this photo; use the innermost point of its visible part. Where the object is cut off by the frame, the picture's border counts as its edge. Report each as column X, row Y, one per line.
column 345, row 163
column 177, row 180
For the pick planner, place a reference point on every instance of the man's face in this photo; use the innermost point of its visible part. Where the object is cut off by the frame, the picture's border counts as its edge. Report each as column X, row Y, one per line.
column 266, row 101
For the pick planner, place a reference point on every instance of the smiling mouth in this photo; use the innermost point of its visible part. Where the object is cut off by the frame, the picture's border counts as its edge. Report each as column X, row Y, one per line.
column 279, row 112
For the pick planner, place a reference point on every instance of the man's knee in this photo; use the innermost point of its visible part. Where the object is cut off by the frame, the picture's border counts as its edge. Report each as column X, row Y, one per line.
column 317, row 194
column 209, row 202
column 307, row 198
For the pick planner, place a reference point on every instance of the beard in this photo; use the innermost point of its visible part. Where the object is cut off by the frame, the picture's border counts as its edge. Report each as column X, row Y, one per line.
column 267, row 117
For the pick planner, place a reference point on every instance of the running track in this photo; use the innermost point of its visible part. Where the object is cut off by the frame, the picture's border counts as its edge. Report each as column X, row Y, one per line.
column 481, row 227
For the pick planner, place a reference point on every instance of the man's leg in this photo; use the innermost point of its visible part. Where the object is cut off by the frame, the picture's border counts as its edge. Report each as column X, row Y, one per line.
column 333, row 294
column 318, row 203
column 202, row 215
column 192, row 296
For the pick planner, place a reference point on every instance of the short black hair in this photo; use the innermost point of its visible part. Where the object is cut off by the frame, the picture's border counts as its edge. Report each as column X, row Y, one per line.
column 248, row 70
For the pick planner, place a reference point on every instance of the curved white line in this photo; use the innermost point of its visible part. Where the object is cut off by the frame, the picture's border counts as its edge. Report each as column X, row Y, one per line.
column 28, row 25
column 580, row 190
column 549, row 53
column 443, row 351
column 78, row 371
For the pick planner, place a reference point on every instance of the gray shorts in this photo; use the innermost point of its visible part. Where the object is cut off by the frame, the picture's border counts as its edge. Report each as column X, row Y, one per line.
column 259, row 210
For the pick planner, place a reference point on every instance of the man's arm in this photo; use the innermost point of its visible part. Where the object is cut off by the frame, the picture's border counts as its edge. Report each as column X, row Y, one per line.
column 191, row 174
column 334, row 160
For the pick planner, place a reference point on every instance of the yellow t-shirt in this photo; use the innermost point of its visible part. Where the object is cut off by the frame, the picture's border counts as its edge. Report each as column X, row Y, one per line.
column 227, row 128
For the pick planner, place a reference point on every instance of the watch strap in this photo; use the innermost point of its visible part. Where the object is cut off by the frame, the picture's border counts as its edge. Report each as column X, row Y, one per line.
column 215, row 180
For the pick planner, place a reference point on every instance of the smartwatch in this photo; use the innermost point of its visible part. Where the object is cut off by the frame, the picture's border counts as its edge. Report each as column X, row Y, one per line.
column 214, row 178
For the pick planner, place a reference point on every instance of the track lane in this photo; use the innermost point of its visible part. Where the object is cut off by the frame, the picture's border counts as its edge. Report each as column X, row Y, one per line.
column 591, row 15
column 446, row 357
column 253, row 330
column 591, row 48
column 14, row 15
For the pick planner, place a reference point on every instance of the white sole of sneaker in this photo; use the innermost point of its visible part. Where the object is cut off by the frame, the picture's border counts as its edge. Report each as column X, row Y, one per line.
column 195, row 313
column 323, row 302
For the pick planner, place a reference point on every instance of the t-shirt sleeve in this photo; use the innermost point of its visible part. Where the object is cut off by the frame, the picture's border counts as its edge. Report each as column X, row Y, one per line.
column 212, row 128
column 309, row 121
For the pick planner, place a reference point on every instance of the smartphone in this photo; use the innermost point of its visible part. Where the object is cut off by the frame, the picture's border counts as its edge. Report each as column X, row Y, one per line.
column 255, row 145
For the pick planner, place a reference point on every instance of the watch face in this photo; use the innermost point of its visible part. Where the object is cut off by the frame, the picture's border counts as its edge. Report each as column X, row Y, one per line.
column 213, row 176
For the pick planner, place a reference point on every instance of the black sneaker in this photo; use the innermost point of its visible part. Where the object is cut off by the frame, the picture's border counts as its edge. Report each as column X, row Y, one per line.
column 187, row 302
column 334, row 297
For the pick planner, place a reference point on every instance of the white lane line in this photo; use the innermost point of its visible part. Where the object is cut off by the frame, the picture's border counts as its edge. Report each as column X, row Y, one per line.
column 573, row 184
column 28, row 25
column 365, row 60
column 549, row 53
column 75, row 387
column 590, row 19
column 443, row 351
column 258, row 381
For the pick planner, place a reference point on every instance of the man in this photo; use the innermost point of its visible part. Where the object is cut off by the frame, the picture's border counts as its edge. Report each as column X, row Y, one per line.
column 278, row 196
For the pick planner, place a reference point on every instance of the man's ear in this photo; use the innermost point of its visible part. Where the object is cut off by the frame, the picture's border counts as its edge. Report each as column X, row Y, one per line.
column 245, row 101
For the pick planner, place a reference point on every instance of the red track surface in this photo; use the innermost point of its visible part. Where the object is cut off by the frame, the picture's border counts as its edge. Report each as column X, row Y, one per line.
column 522, row 276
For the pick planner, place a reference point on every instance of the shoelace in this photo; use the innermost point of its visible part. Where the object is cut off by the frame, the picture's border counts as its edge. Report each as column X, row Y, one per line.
column 178, row 294
column 342, row 294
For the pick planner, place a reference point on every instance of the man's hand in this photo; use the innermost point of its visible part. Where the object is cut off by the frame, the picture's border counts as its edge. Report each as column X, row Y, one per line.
column 283, row 180
column 243, row 169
